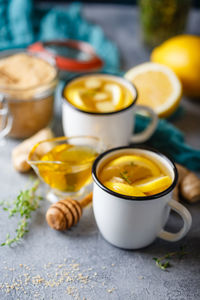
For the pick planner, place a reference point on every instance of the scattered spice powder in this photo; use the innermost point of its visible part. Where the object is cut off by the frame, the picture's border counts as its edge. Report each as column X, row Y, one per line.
column 77, row 280
column 111, row 290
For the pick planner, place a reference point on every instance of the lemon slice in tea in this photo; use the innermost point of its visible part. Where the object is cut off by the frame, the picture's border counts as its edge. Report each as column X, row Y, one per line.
column 93, row 83
column 130, row 168
column 123, row 189
column 105, row 106
column 136, row 160
column 153, row 185
column 116, row 93
column 100, row 96
column 76, row 95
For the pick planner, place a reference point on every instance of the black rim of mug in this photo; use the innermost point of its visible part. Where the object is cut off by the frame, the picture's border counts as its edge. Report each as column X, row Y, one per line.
column 66, row 101
column 134, row 198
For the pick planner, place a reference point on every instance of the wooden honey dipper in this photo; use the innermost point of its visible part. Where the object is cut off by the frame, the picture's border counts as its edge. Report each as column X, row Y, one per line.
column 66, row 213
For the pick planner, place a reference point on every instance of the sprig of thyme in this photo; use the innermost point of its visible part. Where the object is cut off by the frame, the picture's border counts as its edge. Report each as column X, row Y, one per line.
column 124, row 176
column 163, row 262
column 26, row 202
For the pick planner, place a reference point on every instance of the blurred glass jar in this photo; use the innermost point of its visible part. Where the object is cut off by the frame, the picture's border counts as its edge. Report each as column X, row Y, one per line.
column 31, row 108
column 72, row 57
column 5, row 119
column 162, row 19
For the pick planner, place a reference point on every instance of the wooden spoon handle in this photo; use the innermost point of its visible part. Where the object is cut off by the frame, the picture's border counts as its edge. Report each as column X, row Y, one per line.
column 86, row 200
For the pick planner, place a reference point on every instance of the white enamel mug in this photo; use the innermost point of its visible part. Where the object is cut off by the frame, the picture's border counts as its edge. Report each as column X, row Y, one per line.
column 135, row 222
column 114, row 128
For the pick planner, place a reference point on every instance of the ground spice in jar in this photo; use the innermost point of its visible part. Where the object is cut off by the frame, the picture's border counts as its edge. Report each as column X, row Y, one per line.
column 28, row 83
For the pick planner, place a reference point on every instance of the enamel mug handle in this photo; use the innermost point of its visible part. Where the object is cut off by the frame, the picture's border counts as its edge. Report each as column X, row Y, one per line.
column 187, row 222
column 147, row 132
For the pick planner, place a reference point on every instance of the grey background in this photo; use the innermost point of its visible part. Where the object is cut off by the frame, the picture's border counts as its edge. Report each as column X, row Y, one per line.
column 51, row 265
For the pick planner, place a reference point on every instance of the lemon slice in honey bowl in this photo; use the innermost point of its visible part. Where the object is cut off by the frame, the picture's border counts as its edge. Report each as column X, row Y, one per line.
column 123, row 189
column 153, row 185
column 158, row 87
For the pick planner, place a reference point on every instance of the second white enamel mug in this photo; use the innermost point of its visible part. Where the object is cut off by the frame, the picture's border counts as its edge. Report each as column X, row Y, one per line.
column 114, row 128
column 135, row 222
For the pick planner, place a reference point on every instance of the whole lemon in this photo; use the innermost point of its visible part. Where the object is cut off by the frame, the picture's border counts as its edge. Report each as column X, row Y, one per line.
column 182, row 54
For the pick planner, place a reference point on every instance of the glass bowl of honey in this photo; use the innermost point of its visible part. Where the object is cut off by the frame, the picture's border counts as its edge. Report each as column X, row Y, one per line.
column 65, row 164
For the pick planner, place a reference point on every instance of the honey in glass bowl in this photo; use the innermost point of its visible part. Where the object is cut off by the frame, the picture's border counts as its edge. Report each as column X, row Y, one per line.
column 65, row 163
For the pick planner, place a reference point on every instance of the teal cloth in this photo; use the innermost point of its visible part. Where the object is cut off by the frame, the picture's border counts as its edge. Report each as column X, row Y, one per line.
column 22, row 24
column 170, row 140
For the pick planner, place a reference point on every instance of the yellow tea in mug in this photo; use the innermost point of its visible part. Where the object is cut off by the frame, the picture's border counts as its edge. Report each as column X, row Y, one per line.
column 134, row 175
column 67, row 167
column 98, row 93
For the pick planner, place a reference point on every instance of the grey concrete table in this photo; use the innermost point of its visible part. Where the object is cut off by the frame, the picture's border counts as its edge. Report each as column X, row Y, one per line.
column 80, row 264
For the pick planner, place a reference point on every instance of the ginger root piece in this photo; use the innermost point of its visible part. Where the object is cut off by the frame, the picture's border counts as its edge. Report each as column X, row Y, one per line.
column 182, row 172
column 188, row 185
column 190, row 188
column 21, row 151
